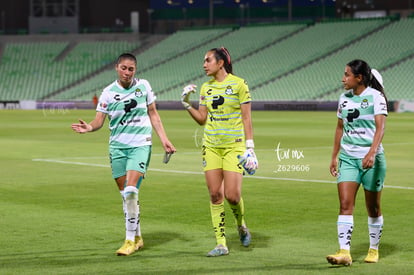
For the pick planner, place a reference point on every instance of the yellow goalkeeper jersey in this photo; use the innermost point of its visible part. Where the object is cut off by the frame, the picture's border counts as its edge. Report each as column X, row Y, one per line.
column 224, row 126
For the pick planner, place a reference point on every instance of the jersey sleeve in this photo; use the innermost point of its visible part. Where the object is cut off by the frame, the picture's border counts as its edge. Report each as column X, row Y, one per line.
column 202, row 99
column 150, row 93
column 380, row 105
column 339, row 109
column 244, row 93
column 103, row 103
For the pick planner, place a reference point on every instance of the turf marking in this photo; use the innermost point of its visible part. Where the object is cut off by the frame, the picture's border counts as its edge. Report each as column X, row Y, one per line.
column 201, row 173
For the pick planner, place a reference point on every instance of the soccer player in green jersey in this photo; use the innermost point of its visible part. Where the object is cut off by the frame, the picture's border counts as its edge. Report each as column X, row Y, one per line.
column 362, row 111
column 225, row 110
column 129, row 103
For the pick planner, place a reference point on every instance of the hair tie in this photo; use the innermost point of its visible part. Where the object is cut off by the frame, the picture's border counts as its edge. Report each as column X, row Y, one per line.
column 378, row 77
column 227, row 54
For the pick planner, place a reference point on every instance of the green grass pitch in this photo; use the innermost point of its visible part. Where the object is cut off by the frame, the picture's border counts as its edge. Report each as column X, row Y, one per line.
column 60, row 212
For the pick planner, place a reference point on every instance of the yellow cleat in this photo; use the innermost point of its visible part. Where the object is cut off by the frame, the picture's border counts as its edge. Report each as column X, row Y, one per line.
column 126, row 249
column 372, row 256
column 139, row 243
column 342, row 257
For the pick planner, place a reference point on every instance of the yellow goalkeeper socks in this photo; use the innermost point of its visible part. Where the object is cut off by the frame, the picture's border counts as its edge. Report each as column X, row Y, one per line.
column 217, row 217
column 238, row 212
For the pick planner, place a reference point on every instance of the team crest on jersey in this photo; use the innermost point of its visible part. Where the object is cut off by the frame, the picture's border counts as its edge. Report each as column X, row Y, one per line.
column 138, row 92
column 364, row 103
column 229, row 90
column 103, row 105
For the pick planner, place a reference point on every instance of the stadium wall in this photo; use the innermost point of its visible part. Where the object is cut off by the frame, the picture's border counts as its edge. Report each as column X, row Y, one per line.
column 63, row 106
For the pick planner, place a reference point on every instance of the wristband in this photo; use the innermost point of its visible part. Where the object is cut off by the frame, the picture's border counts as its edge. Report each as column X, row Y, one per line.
column 249, row 143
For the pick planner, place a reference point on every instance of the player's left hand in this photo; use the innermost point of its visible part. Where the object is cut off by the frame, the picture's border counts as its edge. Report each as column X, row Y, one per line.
column 249, row 161
column 333, row 167
column 169, row 150
column 368, row 161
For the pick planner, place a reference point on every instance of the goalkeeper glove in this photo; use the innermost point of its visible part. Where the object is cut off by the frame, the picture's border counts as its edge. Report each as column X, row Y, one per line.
column 185, row 96
column 249, row 160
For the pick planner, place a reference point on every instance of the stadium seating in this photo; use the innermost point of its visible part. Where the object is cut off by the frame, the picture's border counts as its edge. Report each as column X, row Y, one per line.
column 239, row 43
column 174, row 46
column 321, row 80
column 36, row 63
column 299, row 61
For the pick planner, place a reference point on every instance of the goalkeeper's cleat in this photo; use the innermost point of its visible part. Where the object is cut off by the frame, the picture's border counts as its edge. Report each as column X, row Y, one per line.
column 126, row 249
column 342, row 257
column 372, row 256
column 219, row 250
column 245, row 236
column 139, row 243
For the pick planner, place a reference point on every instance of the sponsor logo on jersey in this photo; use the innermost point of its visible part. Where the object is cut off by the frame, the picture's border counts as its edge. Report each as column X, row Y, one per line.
column 356, row 132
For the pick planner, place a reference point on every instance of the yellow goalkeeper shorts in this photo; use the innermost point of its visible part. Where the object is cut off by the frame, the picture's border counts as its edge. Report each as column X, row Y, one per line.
column 222, row 158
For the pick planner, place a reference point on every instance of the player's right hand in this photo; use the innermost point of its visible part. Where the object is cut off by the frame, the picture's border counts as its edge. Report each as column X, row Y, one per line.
column 81, row 127
column 185, row 95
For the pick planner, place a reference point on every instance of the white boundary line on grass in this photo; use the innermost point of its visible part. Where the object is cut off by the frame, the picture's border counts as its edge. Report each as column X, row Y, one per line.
column 201, row 173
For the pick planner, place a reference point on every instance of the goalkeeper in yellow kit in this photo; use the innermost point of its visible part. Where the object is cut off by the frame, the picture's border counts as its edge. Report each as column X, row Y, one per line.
column 225, row 110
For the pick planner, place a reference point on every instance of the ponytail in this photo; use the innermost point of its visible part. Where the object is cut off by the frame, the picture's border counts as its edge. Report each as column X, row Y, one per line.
column 376, row 82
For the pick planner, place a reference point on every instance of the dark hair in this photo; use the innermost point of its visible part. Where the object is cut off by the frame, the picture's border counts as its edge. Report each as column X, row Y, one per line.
column 129, row 56
column 360, row 67
column 223, row 54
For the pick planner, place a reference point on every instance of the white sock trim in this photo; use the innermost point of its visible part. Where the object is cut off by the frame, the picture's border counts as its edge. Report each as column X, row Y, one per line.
column 375, row 221
column 345, row 219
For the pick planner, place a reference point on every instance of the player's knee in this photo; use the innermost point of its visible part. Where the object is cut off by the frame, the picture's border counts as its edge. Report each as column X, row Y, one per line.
column 374, row 211
column 216, row 197
column 233, row 199
column 131, row 193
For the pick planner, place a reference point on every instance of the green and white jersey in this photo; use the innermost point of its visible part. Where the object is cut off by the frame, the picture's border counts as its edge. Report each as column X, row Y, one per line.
column 358, row 115
column 224, row 126
column 127, row 110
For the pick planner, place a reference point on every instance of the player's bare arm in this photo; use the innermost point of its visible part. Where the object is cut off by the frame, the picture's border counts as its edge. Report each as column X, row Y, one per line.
column 247, row 120
column 369, row 159
column 159, row 128
column 336, row 147
column 199, row 115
